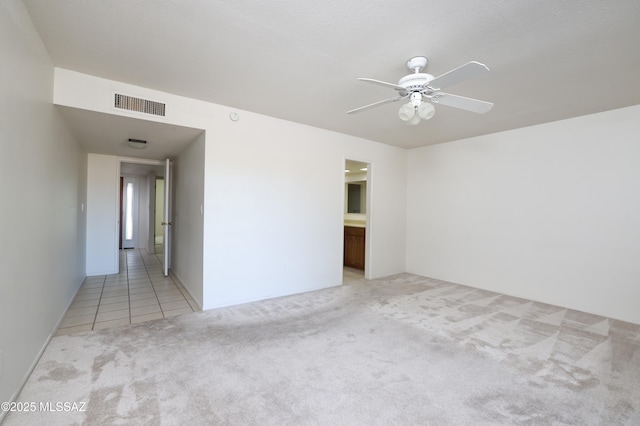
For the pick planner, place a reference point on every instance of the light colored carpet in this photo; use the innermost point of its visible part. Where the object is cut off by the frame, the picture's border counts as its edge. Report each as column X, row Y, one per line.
column 404, row 350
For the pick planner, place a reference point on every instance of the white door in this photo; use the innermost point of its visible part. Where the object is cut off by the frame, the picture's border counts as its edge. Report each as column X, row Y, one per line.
column 151, row 187
column 167, row 218
column 129, row 213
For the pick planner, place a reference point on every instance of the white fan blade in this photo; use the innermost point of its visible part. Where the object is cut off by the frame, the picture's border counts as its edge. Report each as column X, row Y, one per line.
column 468, row 104
column 457, row 75
column 382, row 83
column 366, row 107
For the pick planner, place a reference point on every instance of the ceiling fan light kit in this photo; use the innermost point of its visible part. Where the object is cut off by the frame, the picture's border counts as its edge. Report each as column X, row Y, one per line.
column 423, row 89
column 416, row 110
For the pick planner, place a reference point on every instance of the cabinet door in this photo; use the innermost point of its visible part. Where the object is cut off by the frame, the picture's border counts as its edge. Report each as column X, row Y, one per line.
column 354, row 243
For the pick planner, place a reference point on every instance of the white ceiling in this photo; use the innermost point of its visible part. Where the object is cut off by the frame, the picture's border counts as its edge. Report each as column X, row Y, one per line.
column 298, row 60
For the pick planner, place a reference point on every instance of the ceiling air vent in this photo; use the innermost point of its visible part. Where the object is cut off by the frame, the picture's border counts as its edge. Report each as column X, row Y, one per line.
column 138, row 105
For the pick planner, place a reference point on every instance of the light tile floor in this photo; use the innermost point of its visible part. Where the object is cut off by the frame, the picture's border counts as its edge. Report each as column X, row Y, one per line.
column 139, row 292
column 350, row 275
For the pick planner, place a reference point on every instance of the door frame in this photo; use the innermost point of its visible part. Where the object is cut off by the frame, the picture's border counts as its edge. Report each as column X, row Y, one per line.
column 151, row 189
column 119, row 161
column 167, row 217
column 132, row 209
column 368, row 203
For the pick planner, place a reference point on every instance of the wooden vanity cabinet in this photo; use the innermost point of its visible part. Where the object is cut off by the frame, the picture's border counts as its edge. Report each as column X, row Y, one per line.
column 354, row 239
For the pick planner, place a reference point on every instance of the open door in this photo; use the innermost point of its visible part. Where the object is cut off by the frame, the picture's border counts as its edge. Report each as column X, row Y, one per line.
column 166, row 223
column 151, row 190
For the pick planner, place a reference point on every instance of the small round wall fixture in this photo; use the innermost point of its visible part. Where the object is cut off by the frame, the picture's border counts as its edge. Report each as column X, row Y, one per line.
column 137, row 143
column 234, row 116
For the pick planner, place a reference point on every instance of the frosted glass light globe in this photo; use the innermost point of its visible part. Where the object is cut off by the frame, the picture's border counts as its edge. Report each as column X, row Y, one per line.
column 426, row 110
column 407, row 112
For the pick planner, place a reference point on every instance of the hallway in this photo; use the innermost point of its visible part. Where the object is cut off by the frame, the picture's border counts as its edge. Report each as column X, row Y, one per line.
column 138, row 293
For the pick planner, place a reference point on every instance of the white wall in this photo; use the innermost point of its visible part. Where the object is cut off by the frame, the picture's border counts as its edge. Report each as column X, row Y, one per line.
column 43, row 175
column 188, row 223
column 549, row 212
column 261, row 238
column 102, row 221
column 269, row 233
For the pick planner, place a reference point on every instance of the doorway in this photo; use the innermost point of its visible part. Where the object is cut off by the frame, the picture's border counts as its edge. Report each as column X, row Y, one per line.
column 142, row 206
column 356, row 215
column 129, row 201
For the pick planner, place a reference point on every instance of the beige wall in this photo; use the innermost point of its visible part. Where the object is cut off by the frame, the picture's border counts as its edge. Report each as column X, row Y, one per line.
column 188, row 223
column 549, row 213
column 261, row 238
column 102, row 221
column 43, row 171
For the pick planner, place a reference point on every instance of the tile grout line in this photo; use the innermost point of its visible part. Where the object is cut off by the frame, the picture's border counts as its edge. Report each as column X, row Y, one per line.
column 95, row 316
column 152, row 286
column 105, row 284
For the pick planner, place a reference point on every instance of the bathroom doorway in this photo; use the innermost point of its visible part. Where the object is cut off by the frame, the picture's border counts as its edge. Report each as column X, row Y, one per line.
column 356, row 213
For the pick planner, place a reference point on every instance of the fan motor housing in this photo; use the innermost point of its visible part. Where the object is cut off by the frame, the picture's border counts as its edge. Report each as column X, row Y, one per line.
column 415, row 82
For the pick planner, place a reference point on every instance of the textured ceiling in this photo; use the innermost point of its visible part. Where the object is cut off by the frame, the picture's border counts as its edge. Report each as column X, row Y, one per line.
column 298, row 60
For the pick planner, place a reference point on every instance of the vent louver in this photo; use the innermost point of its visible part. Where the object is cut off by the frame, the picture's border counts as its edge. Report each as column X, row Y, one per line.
column 139, row 105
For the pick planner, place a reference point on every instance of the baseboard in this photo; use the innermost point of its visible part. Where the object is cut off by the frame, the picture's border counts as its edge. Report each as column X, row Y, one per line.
column 272, row 296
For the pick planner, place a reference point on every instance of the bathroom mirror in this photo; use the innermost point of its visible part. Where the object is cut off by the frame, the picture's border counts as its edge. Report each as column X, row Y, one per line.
column 356, row 197
column 355, row 190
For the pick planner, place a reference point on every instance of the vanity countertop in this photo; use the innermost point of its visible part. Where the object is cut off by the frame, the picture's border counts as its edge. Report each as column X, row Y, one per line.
column 355, row 223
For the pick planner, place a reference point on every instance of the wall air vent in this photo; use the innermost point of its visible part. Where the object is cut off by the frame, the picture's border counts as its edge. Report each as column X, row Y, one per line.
column 144, row 106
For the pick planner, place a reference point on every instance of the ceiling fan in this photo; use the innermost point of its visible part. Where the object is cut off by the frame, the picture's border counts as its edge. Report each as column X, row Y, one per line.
column 420, row 88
